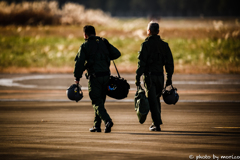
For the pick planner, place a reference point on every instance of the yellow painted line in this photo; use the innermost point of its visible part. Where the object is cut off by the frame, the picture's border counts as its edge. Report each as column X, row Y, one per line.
column 228, row 127
column 204, row 91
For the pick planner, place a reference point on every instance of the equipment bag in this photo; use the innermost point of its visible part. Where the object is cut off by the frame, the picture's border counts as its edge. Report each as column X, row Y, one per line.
column 141, row 105
column 117, row 87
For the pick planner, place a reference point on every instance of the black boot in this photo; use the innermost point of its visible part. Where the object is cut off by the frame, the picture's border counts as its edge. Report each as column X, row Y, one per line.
column 108, row 127
column 95, row 129
column 154, row 128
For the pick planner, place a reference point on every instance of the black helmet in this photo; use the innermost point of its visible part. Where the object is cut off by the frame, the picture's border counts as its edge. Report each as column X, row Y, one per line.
column 170, row 96
column 74, row 93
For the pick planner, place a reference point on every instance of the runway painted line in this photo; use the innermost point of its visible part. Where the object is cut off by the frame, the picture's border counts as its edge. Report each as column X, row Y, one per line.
column 228, row 127
column 218, row 82
column 112, row 100
column 15, row 82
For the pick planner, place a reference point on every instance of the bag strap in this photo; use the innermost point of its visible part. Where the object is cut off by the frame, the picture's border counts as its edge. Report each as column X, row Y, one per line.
column 116, row 69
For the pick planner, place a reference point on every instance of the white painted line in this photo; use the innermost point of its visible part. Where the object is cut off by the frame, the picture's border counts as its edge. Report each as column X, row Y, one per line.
column 11, row 83
column 14, row 82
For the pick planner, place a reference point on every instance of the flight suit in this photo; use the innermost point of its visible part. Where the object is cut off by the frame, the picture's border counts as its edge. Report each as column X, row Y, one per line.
column 153, row 55
column 94, row 55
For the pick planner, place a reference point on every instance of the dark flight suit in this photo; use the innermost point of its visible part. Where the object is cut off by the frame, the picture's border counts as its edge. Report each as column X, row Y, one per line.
column 95, row 55
column 154, row 54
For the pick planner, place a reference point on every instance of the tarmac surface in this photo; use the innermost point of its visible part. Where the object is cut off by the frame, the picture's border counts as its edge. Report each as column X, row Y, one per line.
column 37, row 121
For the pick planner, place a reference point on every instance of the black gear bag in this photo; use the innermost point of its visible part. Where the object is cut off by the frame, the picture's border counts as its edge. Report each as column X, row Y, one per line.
column 118, row 87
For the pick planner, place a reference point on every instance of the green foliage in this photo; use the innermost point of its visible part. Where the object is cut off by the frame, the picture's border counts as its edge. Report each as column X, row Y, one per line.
column 57, row 52
column 208, row 43
column 129, row 48
column 210, row 52
column 37, row 52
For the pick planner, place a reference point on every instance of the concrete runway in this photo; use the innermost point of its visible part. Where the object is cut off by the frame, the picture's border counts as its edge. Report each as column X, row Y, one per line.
column 37, row 121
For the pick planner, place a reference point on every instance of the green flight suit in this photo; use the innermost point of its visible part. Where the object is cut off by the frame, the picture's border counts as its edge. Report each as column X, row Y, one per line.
column 94, row 55
column 153, row 55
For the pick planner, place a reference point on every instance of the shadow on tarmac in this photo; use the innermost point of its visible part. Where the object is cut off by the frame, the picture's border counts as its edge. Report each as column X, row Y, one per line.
column 187, row 133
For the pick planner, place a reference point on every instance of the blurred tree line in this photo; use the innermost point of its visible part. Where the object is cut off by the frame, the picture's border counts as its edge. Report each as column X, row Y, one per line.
column 159, row 8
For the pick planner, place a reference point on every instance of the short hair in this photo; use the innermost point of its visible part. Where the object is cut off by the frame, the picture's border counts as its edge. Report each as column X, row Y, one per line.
column 153, row 27
column 89, row 30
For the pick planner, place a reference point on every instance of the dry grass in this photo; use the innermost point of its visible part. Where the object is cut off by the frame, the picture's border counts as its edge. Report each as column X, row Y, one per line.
column 48, row 13
column 40, row 37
